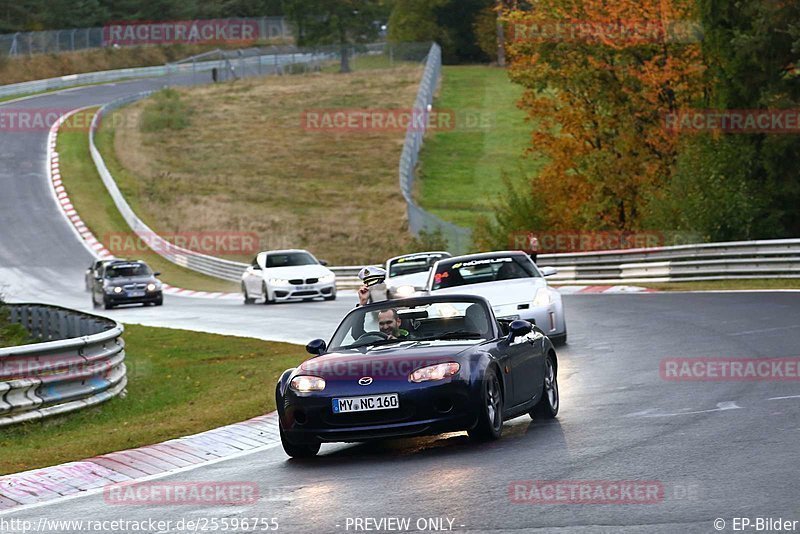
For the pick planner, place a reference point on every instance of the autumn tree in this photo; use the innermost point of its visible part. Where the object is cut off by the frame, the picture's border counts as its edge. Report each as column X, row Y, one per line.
column 600, row 78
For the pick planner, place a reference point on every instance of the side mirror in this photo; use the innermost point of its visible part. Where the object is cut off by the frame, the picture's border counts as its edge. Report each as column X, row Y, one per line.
column 157, row 273
column 316, row 347
column 519, row 328
column 323, row 263
column 98, row 278
column 548, row 271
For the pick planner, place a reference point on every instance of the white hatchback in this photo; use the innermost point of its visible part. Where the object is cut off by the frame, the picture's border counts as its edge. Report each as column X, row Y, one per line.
column 281, row 275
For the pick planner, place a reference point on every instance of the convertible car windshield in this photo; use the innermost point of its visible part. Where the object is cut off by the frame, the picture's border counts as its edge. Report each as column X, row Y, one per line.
column 477, row 271
column 428, row 321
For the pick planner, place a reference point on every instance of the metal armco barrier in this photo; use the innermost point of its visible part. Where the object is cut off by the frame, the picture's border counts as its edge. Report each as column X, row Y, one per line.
column 79, row 363
column 778, row 258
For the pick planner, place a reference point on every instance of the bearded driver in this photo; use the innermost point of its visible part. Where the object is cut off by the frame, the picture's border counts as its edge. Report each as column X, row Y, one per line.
column 389, row 323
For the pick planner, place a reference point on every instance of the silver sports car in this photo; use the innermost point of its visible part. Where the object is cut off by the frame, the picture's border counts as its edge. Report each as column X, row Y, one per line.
column 510, row 281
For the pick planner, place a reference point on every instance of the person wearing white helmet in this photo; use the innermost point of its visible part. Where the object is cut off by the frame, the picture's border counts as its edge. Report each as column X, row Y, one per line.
column 374, row 288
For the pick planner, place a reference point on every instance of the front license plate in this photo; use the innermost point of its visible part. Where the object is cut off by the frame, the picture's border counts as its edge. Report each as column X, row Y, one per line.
column 135, row 293
column 301, row 288
column 366, row 403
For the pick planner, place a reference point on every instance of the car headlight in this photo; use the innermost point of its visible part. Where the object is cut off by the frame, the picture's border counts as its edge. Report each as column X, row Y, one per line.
column 405, row 291
column 117, row 290
column 544, row 297
column 152, row 287
column 327, row 278
column 440, row 371
column 278, row 281
column 306, row 384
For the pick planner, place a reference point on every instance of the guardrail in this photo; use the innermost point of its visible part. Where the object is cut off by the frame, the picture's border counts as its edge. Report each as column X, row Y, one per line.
column 79, row 363
column 260, row 64
column 777, row 258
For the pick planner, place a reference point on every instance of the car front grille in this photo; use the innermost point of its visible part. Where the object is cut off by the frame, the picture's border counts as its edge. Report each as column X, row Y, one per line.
column 132, row 287
column 312, row 280
column 296, row 282
column 304, row 293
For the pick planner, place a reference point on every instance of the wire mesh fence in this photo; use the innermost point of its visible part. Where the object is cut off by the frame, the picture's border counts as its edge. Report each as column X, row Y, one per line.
column 56, row 41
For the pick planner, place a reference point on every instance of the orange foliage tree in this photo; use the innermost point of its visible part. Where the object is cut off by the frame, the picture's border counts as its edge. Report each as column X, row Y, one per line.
column 600, row 76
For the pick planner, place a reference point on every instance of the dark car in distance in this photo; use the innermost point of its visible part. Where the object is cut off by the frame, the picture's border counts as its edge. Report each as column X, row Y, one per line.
column 417, row 366
column 126, row 282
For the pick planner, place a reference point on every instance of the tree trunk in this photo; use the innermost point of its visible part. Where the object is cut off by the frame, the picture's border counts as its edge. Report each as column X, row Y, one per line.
column 501, row 37
column 345, row 63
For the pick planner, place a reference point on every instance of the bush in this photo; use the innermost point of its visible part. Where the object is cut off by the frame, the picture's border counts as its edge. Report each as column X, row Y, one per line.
column 166, row 111
column 713, row 193
column 517, row 209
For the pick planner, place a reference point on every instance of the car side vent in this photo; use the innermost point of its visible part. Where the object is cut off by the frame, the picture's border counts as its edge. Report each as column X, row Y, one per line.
column 523, row 306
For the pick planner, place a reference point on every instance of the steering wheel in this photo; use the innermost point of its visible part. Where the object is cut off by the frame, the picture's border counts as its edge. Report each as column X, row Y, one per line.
column 378, row 334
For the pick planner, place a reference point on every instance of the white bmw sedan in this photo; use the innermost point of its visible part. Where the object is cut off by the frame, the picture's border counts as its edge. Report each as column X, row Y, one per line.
column 511, row 282
column 281, row 275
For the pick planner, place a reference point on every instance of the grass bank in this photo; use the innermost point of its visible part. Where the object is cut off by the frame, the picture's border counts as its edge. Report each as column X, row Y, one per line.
column 96, row 208
column 461, row 168
column 179, row 383
column 250, row 161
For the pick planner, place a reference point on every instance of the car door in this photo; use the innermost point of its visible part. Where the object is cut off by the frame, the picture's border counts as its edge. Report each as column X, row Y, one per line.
column 97, row 285
column 525, row 357
column 253, row 277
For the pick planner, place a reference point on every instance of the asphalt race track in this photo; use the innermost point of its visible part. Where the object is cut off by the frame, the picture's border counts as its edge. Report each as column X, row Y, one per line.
column 619, row 421
column 717, row 449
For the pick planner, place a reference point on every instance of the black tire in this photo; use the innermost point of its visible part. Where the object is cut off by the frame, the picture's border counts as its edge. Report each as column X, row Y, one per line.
column 559, row 340
column 548, row 405
column 298, row 450
column 266, row 295
column 331, row 297
column 490, row 417
column 107, row 305
column 247, row 299
column 160, row 301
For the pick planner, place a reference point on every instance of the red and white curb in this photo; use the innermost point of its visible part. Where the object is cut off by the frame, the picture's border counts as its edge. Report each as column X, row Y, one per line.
column 76, row 479
column 584, row 290
column 89, row 240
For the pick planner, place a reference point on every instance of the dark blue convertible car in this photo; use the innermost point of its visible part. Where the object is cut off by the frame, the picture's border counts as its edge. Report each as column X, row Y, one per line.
column 413, row 367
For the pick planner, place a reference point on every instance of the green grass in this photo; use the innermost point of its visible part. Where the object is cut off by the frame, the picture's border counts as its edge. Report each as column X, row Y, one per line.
column 461, row 169
column 95, row 206
column 790, row 283
column 12, row 334
column 180, row 383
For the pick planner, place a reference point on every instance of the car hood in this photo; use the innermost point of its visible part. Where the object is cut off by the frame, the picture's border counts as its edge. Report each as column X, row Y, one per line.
column 415, row 279
column 387, row 361
column 500, row 293
column 298, row 271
